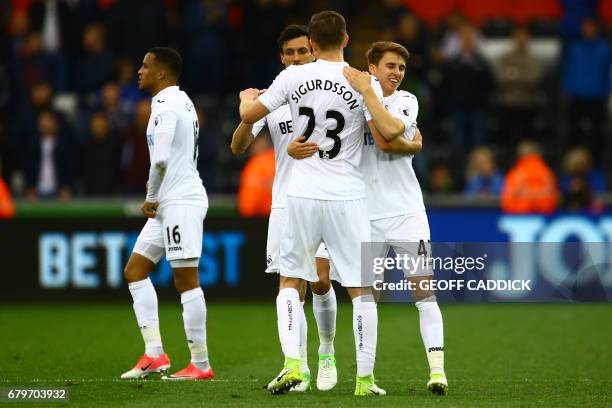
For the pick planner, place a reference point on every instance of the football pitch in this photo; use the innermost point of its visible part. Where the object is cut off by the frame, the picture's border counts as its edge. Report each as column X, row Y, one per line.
column 502, row 355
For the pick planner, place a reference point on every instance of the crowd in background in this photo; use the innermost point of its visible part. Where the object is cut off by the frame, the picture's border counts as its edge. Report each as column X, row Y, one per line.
column 72, row 119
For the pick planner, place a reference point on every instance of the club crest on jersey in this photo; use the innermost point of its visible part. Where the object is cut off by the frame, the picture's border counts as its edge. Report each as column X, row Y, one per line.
column 158, row 120
column 406, row 112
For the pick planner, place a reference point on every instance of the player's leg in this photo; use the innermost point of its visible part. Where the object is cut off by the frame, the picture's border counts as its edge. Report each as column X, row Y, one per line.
column 183, row 240
column 299, row 241
column 305, row 384
column 148, row 250
column 346, row 226
column 415, row 232
column 324, row 307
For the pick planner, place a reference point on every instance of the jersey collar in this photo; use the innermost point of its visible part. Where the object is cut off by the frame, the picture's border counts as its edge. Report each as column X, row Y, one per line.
column 161, row 95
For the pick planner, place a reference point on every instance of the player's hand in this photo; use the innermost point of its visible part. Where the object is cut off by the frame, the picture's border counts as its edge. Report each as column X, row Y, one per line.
column 359, row 80
column 418, row 137
column 300, row 149
column 149, row 209
column 249, row 94
column 262, row 91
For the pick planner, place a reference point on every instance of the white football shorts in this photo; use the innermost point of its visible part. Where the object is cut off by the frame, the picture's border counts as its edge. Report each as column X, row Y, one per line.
column 406, row 234
column 342, row 224
column 275, row 229
column 176, row 232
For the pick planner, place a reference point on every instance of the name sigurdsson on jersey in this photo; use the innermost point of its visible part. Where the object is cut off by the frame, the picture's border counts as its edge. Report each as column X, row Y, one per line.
column 325, row 85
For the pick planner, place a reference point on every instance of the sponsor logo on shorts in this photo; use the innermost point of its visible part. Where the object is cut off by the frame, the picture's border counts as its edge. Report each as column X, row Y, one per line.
column 175, row 248
column 429, row 350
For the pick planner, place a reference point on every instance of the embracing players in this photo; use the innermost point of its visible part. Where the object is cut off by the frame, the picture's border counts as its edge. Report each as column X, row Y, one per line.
column 325, row 196
column 176, row 205
column 294, row 48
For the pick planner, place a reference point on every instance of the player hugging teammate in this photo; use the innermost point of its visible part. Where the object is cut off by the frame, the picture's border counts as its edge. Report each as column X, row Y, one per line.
column 335, row 196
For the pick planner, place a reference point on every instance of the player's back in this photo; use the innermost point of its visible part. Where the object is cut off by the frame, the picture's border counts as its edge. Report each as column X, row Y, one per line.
column 327, row 111
column 182, row 181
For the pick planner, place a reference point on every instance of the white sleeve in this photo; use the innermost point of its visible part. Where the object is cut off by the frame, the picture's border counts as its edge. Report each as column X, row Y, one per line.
column 277, row 94
column 378, row 91
column 163, row 134
column 257, row 126
column 406, row 109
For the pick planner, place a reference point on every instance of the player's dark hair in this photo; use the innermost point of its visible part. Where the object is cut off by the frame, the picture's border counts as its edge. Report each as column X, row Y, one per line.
column 327, row 29
column 289, row 33
column 378, row 50
column 169, row 58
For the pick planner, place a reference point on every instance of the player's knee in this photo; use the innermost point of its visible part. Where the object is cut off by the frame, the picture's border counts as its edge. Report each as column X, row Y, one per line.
column 133, row 274
column 321, row 287
column 186, row 279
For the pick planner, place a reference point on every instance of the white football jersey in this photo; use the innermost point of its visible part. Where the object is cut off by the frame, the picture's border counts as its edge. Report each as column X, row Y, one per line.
column 172, row 112
column 392, row 186
column 280, row 126
column 329, row 112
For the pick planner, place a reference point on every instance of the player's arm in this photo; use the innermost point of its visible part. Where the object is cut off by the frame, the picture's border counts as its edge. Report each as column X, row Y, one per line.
column 242, row 138
column 299, row 149
column 244, row 135
column 389, row 126
column 399, row 145
column 251, row 109
column 163, row 134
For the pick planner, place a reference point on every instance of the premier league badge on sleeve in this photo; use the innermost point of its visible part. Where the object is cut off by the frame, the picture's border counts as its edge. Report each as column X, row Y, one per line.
column 406, row 112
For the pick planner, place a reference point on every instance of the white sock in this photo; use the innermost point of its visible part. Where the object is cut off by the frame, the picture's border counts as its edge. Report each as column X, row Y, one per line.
column 145, row 307
column 324, row 308
column 288, row 307
column 194, row 320
column 365, row 328
column 304, row 342
column 432, row 332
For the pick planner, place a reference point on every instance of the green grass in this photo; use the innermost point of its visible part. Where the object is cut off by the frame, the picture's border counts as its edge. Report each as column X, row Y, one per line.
column 496, row 356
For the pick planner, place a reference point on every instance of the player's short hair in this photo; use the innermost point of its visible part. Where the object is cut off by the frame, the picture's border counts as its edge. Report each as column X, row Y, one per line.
column 169, row 58
column 291, row 32
column 327, row 29
column 378, row 50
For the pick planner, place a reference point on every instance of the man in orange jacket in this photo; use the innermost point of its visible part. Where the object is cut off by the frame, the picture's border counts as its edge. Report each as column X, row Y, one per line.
column 530, row 186
column 7, row 208
column 256, row 179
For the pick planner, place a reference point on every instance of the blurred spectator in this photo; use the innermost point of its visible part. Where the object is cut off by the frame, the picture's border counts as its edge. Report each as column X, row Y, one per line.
column 256, row 178
column 33, row 66
column 135, row 153
column 440, row 179
column 466, row 85
column 204, row 46
column 409, row 34
column 58, row 21
column 530, row 185
column 50, row 160
column 100, row 157
column 581, row 183
column 95, row 66
column 7, row 208
column 451, row 41
column 518, row 74
column 586, row 81
column 483, row 179
column 129, row 93
column 118, row 117
column 574, row 12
